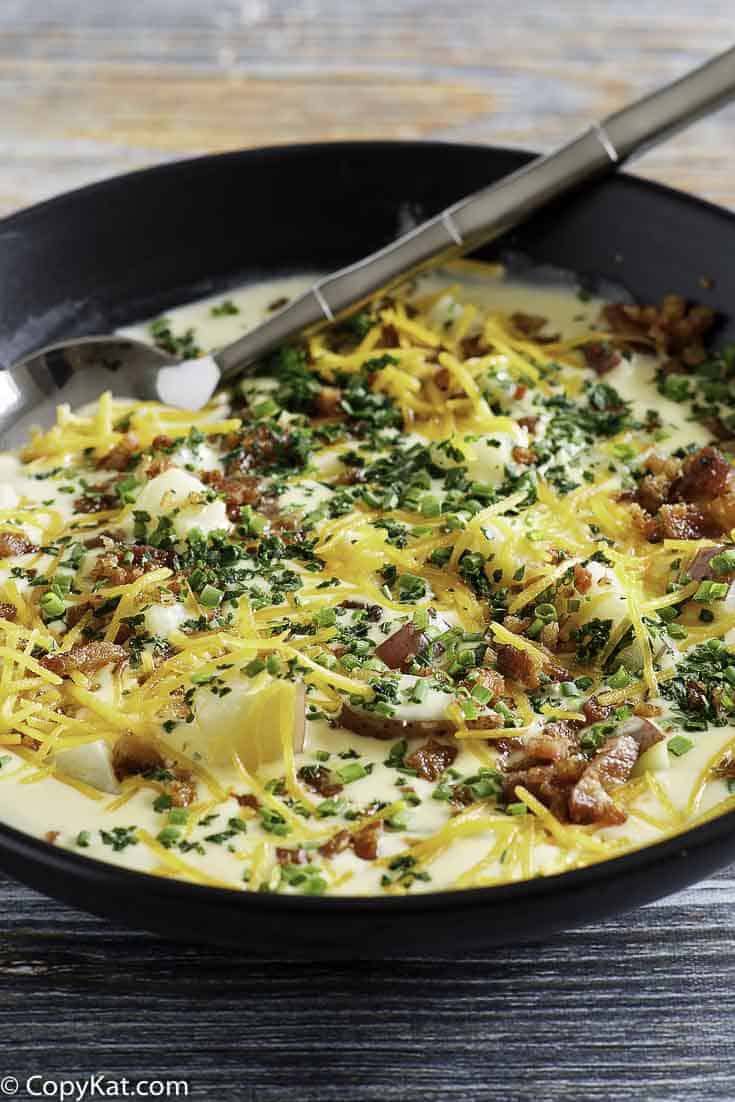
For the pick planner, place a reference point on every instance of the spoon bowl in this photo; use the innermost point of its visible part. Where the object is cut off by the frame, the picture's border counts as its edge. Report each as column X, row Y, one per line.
column 75, row 373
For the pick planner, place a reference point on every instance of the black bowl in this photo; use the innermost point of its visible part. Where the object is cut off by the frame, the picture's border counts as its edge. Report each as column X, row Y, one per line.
column 109, row 254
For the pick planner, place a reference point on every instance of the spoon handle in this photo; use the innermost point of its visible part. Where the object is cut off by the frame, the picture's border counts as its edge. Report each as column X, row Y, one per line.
column 491, row 212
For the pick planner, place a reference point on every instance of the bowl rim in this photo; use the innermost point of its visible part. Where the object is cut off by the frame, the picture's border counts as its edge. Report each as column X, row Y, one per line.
column 161, row 890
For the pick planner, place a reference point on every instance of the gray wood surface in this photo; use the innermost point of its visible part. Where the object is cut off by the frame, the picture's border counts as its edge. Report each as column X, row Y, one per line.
column 638, row 1008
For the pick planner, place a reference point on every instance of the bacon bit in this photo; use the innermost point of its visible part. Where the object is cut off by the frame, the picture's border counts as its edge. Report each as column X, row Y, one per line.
column 601, row 357
column 144, row 558
column 520, row 392
column 158, row 466
column 132, row 754
column 237, row 490
column 443, row 378
column 524, row 456
column 681, row 521
column 518, row 665
column 247, row 799
column 258, row 447
column 84, row 657
column 473, row 346
column 528, row 325
column 398, row 649
column 278, row 303
column 705, row 476
column 12, row 544
column 590, row 801
column 328, row 402
column 646, row 710
column 319, row 780
column 365, row 841
column 529, row 422
column 374, row 612
column 646, row 733
column 582, row 578
column 340, row 841
column 291, row 856
column 548, row 783
column 488, row 722
column 7, row 611
column 594, row 711
column 491, row 680
column 96, row 502
column 554, row 743
column 431, row 759
column 671, row 329
column 118, row 458
column 162, row 442
column 51, row 835
column 390, row 338
column 183, row 790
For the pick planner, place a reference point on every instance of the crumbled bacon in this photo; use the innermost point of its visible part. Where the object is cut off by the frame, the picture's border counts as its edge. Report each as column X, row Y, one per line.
column 365, row 841
column 118, row 458
column 590, row 800
column 319, row 780
column 686, row 500
column 528, row 325
column 529, row 422
column 473, row 346
column 340, row 841
column 518, row 665
column 182, row 790
column 7, row 611
column 594, row 711
column 601, row 357
column 431, row 759
column 705, row 476
column 133, row 754
column 640, row 727
column 672, row 329
column 400, row 647
column 491, row 680
column 51, row 835
column 247, row 799
column 255, row 448
column 328, row 402
column 158, row 466
column 582, row 578
column 549, row 783
column 237, row 490
column 97, row 501
column 443, row 378
column 124, row 564
column 291, row 856
column 524, row 456
column 84, row 657
column 162, row 442
column 373, row 612
column 13, row 544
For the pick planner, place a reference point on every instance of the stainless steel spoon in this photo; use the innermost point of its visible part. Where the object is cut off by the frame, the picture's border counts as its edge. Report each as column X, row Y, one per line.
column 79, row 370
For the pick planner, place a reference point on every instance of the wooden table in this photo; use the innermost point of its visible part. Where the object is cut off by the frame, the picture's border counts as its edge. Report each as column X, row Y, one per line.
column 636, row 1008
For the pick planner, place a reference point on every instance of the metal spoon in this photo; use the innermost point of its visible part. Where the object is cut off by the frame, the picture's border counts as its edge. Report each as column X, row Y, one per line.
column 79, row 370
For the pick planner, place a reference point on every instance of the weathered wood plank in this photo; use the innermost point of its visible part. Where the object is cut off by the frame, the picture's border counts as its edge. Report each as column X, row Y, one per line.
column 89, row 89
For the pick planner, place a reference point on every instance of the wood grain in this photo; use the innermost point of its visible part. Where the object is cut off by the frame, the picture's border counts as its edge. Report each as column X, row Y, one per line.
column 89, row 87
column 636, row 1009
